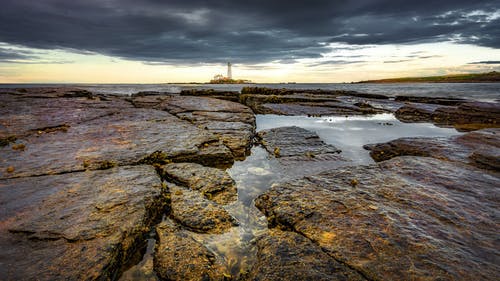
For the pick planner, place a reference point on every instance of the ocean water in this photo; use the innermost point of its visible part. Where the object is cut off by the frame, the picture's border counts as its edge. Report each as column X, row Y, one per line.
column 475, row 91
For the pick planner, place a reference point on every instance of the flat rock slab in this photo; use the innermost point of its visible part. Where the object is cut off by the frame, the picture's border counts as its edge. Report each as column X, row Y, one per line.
column 294, row 141
column 25, row 114
column 192, row 210
column 284, row 255
column 307, row 104
column 294, row 109
column 465, row 117
column 232, row 122
column 209, row 116
column 215, row 184
column 408, row 218
column 178, row 256
column 76, row 226
column 179, row 104
column 416, row 112
column 300, row 152
column 128, row 137
column 432, row 100
column 480, row 148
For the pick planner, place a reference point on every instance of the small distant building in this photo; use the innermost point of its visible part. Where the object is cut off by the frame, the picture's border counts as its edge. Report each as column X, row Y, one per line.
column 220, row 79
column 229, row 71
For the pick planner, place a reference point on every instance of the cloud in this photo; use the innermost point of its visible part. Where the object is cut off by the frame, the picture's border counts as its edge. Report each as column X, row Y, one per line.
column 16, row 55
column 486, row 62
column 187, row 32
column 335, row 62
column 396, row 61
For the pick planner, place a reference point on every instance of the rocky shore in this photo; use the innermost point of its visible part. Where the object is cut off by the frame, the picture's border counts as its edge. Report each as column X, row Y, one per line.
column 86, row 178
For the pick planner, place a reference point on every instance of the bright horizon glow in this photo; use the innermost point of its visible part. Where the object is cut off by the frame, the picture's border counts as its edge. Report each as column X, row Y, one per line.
column 345, row 63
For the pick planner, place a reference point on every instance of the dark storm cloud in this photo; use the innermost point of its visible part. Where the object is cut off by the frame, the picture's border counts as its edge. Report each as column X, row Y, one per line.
column 256, row 31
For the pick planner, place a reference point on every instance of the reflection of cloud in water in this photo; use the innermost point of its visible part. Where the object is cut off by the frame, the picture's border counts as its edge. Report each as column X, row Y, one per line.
column 340, row 119
column 259, row 171
column 350, row 133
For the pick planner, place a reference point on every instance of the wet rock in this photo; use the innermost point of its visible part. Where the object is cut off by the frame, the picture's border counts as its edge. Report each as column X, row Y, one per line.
column 431, row 100
column 284, row 255
column 470, row 116
column 232, row 122
column 179, row 256
column 304, row 109
column 237, row 136
column 480, row 148
column 466, row 116
column 300, row 152
column 192, row 210
column 408, row 218
column 207, row 116
column 295, row 141
column 439, row 148
column 179, row 104
column 213, row 183
column 312, row 92
column 416, row 113
column 49, row 92
column 309, row 102
column 33, row 112
column 305, row 104
column 223, row 95
column 129, row 137
column 76, row 226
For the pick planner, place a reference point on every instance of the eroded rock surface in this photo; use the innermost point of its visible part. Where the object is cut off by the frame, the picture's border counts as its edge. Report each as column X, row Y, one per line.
column 408, row 218
column 51, row 135
column 62, row 218
column 307, row 104
column 121, row 139
column 300, row 152
column 77, row 226
column 215, row 184
column 232, row 122
column 180, row 257
column 41, row 110
column 285, row 255
column 294, row 141
column 192, row 210
column 480, row 148
column 432, row 100
column 466, row 116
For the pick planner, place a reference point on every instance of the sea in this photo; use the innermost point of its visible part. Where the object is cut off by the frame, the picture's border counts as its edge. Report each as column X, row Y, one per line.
column 476, row 91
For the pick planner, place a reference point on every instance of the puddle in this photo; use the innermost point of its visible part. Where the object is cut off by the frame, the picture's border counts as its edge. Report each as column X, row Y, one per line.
column 144, row 269
column 259, row 171
column 350, row 133
column 253, row 176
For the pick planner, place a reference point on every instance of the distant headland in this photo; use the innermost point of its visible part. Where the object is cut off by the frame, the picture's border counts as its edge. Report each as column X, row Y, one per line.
column 488, row 77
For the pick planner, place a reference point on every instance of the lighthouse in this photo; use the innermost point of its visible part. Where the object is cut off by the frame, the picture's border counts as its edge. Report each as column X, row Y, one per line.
column 229, row 72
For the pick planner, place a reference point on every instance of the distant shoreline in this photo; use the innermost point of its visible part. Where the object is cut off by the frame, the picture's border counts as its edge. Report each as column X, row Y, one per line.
column 489, row 77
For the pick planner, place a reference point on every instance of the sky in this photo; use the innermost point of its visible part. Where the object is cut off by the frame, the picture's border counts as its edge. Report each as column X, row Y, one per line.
column 155, row 41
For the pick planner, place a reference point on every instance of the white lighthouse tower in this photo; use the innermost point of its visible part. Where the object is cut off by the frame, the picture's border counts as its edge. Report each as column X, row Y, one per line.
column 229, row 72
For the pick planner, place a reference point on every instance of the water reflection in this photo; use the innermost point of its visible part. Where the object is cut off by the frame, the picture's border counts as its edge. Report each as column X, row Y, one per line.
column 350, row 133
column 253, row 176
column 259, row 171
